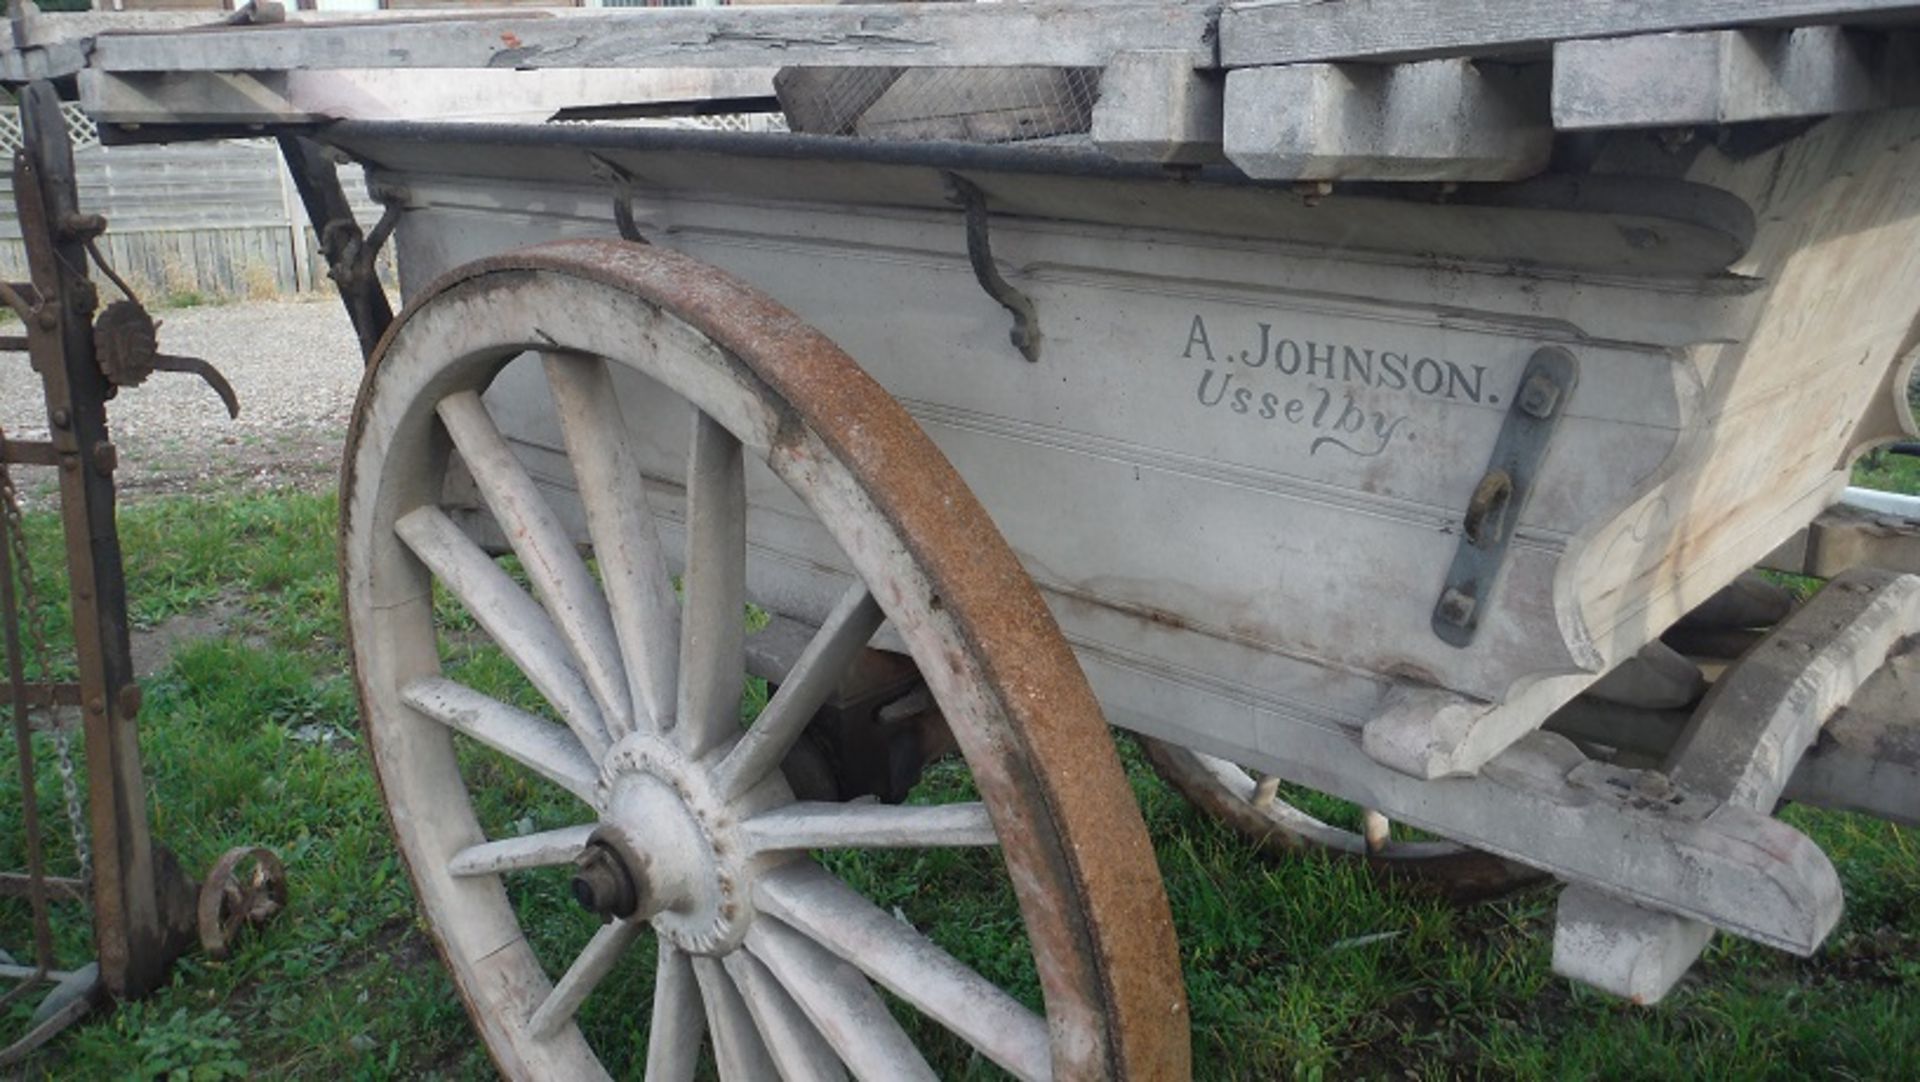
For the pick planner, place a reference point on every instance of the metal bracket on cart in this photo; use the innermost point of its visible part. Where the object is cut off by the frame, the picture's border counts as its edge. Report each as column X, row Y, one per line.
column 623, row 183
column 350, row 255
column 1493, row 511
column 1025, row 334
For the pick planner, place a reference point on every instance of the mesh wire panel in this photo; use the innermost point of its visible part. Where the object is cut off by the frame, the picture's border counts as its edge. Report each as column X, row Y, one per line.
column 976, row 105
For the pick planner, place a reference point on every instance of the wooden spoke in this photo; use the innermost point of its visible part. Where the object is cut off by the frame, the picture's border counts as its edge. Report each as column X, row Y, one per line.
column 797, row 1048
column 908, row 964
column 546, row 849
column 808, row 825
column 560, row 577
column 514, row 620
column 846, row 632
column 713, row 627
column 626, row 543
column 840, row 1003
column 737, row 1048
column 549, row 750
column 679, row 1022
column 596, row 960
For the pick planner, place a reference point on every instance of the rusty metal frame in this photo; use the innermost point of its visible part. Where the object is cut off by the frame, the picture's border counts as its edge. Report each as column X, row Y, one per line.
column 141, row 902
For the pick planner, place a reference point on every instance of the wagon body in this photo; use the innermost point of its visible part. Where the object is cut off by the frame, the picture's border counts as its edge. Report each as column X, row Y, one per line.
column 1360, row 462
column 1240, row 468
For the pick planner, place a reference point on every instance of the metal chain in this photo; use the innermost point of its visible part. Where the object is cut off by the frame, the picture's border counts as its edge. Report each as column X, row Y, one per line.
column 15, row 527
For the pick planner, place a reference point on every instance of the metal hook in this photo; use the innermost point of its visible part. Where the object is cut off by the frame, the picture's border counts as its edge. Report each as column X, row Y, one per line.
column 1025, row 334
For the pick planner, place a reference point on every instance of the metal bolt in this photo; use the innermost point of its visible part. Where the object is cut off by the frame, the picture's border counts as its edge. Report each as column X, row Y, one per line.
column 1539, row 396
column 1653, row 785
column 61, row 418
column 1456, row 607
column 602, row 884
column 48, row 319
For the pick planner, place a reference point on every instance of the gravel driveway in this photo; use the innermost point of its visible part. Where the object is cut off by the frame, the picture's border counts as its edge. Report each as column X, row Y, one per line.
column 294, row 365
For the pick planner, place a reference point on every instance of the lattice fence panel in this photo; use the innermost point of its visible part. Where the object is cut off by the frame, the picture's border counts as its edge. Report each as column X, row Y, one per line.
column 80, row 128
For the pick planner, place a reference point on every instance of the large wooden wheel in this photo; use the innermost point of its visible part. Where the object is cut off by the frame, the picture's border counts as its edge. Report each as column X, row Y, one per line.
column 1256, row 809
column 688, row 843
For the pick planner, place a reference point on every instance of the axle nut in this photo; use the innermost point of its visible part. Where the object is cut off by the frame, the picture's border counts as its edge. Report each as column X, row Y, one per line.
column 602, row 883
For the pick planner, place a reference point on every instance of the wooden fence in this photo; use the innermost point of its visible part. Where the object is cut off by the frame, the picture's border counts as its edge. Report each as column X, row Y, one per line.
column 214, row 219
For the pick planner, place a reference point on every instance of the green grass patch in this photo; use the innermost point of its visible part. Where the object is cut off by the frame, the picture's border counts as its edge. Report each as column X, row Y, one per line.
column 1303, row 968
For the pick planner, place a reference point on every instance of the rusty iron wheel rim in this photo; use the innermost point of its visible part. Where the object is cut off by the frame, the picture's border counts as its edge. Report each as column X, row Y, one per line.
column 1226, row 792
column 1042, row 759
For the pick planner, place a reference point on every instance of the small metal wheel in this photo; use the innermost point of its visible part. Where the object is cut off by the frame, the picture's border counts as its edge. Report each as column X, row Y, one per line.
column 718, row 900
column 1253, row 808
column 244, row 888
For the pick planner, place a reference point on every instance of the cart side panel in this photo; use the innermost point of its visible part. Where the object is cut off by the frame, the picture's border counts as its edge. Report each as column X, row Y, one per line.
column 1254, row 445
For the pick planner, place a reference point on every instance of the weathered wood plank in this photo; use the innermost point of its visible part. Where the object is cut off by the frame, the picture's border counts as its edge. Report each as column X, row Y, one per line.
column 1036, row 34
column 1724, row 76
column 1843, row 538
column 1154, row 107
column 1308, row 31
column 1740, row 749
column 1867, row 759
column 1437, row 120
column 206, row 97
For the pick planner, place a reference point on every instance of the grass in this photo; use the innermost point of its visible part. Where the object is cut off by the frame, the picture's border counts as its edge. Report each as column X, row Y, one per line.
column 251, row 737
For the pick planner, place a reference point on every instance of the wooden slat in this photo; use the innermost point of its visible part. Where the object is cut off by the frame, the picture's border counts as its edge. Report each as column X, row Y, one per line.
column 299, row 97
column 1436, row 120
column 1724, row 76
column 1293, row 32
column 1154, row 107
column 1043, row 34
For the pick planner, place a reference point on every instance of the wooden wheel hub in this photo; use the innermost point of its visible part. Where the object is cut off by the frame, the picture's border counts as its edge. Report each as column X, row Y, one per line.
column 673, row 838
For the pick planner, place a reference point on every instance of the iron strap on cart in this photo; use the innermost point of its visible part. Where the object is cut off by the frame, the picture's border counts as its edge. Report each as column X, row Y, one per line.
column 1390, row 397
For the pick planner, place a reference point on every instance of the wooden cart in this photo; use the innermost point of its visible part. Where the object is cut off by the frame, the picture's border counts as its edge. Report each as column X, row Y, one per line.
column 1347, row 393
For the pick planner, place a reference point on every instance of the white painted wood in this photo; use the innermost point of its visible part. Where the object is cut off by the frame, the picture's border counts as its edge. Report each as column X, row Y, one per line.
column 797, row 1049
column 544, row 849
column 626, row 543
column 803, row 690
column 1656, row 678
column 869, row 826
column 1305, row 31
column 713, row 625
column 738, row 1051
column 1743, row 743
column 1723, row 77
column 547, row 749
column 515, row 621
column 938, row 35
column 840, row 1003
column 1741, row 747
column 1154, row 107
column 906, row 963
column 679, row 1022
column 596, row 960
column 1641, row 967
column 1867, row 759
column 1436, row 120
column 561, row 581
